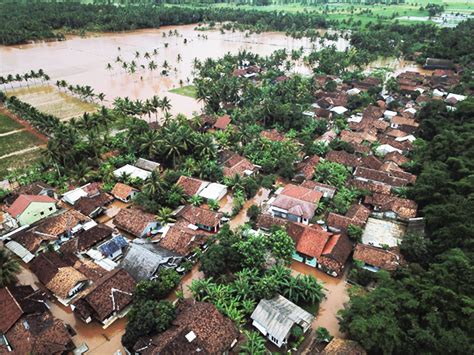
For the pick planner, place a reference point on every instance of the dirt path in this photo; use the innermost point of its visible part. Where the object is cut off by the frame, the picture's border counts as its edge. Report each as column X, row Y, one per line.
column 19, row 152
column 24, row 123
column 11, row 132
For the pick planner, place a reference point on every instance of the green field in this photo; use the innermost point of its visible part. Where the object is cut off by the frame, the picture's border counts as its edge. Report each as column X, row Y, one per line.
column 7, row 165
column 17, row 141
column 8, row 125
column 366, row 13
column 188, row 90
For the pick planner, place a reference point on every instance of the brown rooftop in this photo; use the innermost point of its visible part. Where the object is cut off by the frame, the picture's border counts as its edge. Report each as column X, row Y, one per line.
column 189, row 334
column 191, row 186
column 9, row 309
column 403, row 207
column 133, row 221
column 200, row 216
column 183, row 240
column 60, row 224
column 384, row 259
column 122, row 191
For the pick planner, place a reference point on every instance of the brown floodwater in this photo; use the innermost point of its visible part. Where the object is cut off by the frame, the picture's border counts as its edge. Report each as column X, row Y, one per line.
column 336, row 296
column 83, row 61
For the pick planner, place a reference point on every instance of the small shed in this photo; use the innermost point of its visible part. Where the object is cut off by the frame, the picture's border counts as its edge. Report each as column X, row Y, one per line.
column 276, row 317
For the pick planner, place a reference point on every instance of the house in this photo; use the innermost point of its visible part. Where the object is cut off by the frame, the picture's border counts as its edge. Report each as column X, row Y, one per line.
column 357, row 215
column 365, row 174
column 183, row 238
column 383, row 233
column 276, row 317
column 375, row 259
column 143, row 260
column 222, row 122
column 86, row 239
column 234, row 164
column 434, row 63
column 93, row 206
column 35, row 188
column 63, row 226
column 132, row 172
column 207, row 190
column 273, row 135
column 136, row 222
column 338, row 346
column 88, row 190
column 295, row 203
column 266, row 222
column 59, row 277
column 113, row 248
column 147, row 165
column 123, row 192
column 37, row 334
column 199, row 328
column 392, row 206
column 202, row 218
column 309, row 242
column 7, row 223
column 107, row 298
column 191, row 186
column 305, row 168
column 328, row 191
column 335, row 254
column 20, row 251
column 28, row 209
column 213, row 191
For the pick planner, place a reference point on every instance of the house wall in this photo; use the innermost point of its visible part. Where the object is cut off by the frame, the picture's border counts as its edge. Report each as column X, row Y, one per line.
column 35, row 212
column 279, row 212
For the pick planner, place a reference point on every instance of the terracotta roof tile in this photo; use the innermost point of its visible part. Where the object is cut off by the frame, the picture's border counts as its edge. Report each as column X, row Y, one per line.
column 309, row 240
column 9, row 309
column 111, row 293
column 222, row 122
column 85, row 239
column 60, row 224
column 122, row 191
column 213, row 336
column 273, row 135
column 200, row 216
column 191, row 186
column 403, row 207
column 87, row 205
column 133, row 221
column 183, row 240
column 343, row 347
column 307, row 166
column 384, row 259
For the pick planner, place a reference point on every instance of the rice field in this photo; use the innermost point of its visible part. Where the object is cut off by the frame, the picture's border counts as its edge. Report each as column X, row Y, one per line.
column 50, row 100
column 14, row 162
column 8, row 125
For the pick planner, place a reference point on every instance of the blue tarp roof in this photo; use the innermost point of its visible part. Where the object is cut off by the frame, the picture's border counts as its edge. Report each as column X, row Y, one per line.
column 113, row 245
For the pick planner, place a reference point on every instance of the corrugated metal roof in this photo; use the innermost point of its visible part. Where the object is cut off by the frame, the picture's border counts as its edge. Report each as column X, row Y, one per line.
column 278, row 315
column 20, row 251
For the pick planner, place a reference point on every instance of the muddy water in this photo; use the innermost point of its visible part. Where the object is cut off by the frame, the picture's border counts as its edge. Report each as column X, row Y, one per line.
column 83, row 61
column 336, row 295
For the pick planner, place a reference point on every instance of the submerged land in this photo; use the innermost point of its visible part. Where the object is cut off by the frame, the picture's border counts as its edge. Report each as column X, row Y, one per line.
column 178, row 178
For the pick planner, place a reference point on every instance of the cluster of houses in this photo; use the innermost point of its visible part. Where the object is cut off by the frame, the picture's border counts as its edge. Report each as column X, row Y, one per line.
column 89, row 248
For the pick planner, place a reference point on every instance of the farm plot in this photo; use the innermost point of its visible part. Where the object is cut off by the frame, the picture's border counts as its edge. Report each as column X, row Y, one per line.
column 8, row 125
column 49, row 100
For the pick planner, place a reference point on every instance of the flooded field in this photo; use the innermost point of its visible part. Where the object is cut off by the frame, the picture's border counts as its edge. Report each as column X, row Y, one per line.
column 50, row 100
column 84, row 61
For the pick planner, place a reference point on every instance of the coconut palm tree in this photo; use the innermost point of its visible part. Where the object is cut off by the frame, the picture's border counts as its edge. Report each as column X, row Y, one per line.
column 195, row 200
column 213, row 205
column 165, row 216
column 9, row 267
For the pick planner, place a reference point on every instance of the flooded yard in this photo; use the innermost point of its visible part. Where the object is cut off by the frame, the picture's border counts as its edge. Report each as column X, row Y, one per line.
column 335, row 290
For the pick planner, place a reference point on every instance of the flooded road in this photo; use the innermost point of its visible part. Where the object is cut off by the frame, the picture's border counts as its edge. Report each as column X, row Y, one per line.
column 335, row 290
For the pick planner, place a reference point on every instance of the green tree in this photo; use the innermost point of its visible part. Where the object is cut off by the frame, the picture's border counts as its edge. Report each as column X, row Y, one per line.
column 9, row 267
column 254, row 344
column 281, row 245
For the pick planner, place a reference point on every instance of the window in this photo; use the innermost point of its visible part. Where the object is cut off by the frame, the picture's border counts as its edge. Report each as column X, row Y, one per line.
column 51, row 208
column 42, row 213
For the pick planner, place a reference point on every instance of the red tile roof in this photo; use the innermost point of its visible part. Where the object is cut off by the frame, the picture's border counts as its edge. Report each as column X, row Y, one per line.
column 403, row 207
column 133, row 221
column 307, row 166
column 23, row 201
column 384, row 259
column 222, row 122
column 200, row 216
column 309, row 240
column 301, row 193
column 191, row 186
column 122, row 191
column 10, row 310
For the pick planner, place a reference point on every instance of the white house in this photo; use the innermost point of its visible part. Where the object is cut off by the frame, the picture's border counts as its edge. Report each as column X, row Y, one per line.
column 213, row 191
column 133, row 172
column 276, row 317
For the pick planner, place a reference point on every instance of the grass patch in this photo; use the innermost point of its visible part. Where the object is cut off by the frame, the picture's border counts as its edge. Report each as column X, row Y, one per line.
column 8, row 125
column 21, row 161
column 17, row 141
column 188, row 90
